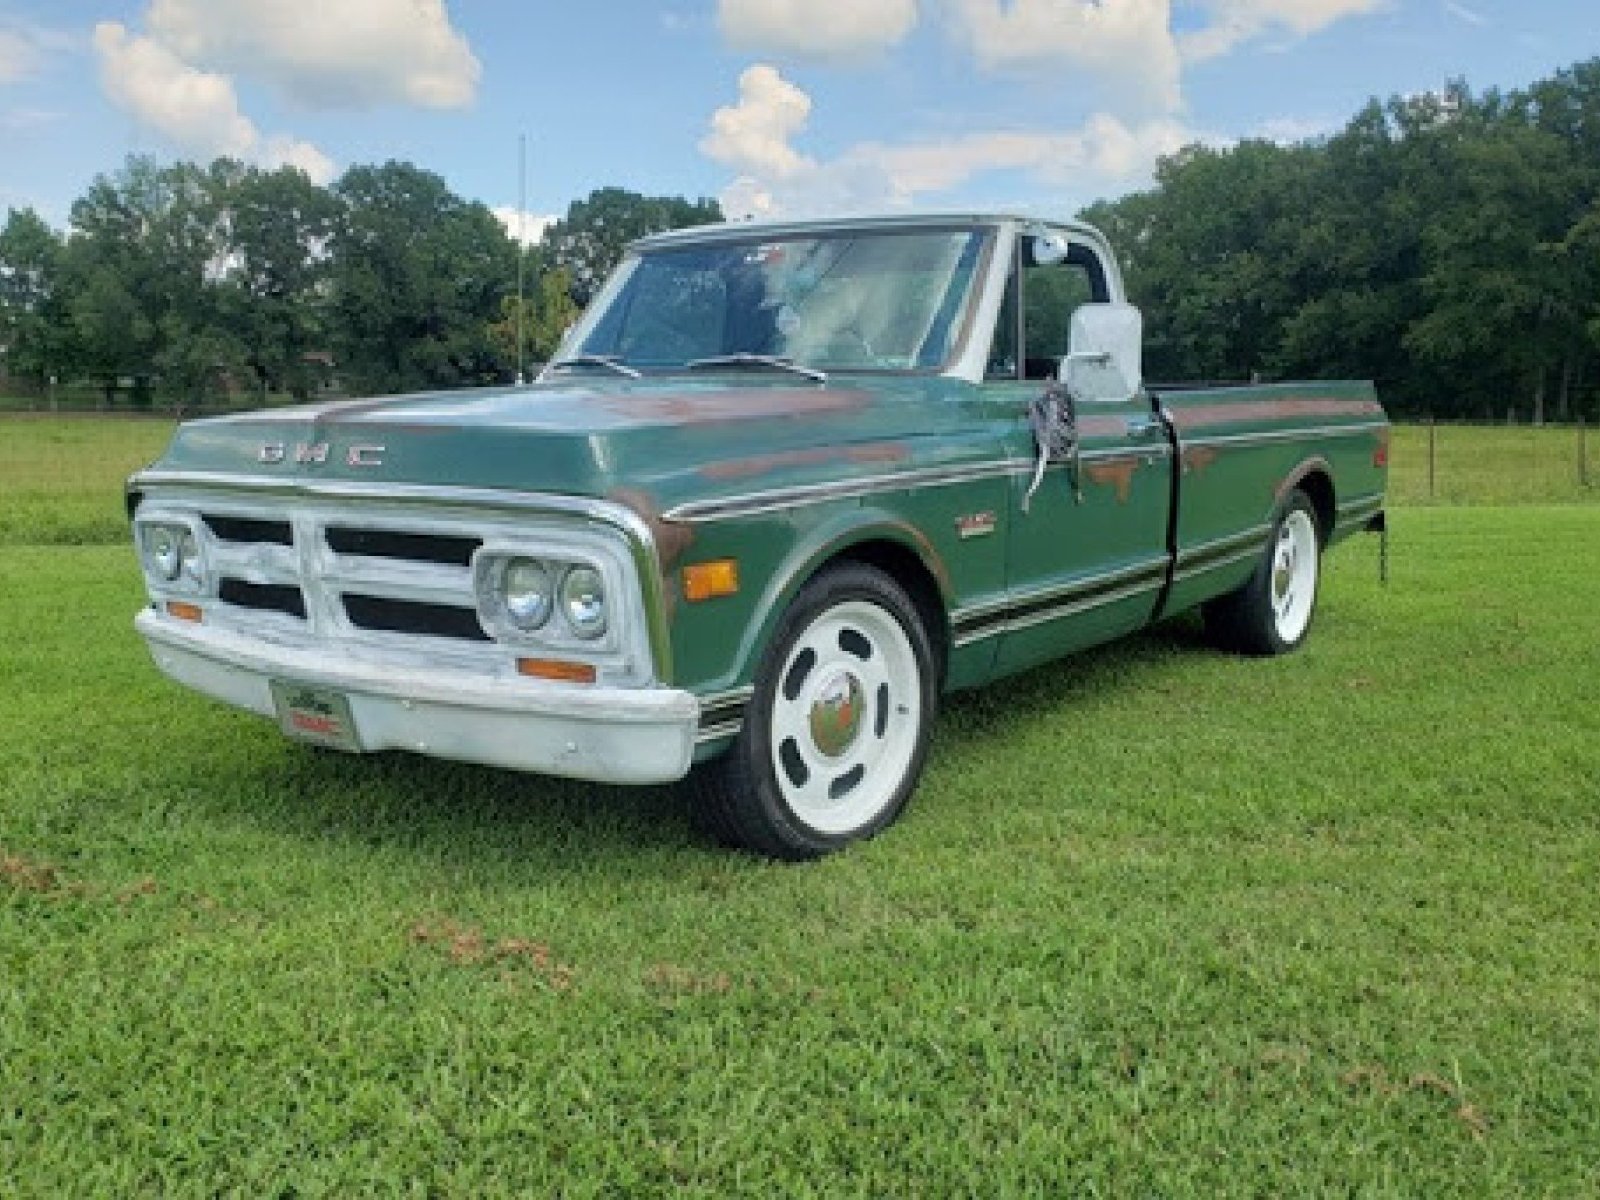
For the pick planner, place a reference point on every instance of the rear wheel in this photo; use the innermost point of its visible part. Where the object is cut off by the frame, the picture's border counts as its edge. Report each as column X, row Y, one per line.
column 1271, row 613
column 837, row 731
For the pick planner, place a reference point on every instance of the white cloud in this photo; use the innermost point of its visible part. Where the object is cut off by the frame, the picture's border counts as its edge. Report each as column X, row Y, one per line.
column 533, row 224
column 1462, row 13
column 1129, row 43
column 327, row 53
column 19, row 57
column 198, row 111
column 1236, row 21
column 817, row 29
column 775, row 179
column 753, row 135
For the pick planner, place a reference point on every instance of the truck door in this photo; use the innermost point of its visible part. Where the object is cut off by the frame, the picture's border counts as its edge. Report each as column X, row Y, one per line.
column 1086, row 551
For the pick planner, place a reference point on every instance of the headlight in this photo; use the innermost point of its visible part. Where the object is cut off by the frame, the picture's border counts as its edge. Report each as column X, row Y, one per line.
column 529, row 593
column 164, row 549
column 583, row 602
column 172, row 554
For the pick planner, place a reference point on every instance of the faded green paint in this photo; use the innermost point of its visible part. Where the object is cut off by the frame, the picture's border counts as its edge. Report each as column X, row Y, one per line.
column 931, row 470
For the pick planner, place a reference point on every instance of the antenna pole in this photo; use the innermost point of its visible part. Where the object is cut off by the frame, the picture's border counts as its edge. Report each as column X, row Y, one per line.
column 522, row 246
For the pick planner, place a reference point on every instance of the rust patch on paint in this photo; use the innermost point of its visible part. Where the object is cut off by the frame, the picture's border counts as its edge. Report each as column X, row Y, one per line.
column 1198, row 458
column 869, row 453
column 731, row 405
column 1189, row 418
column 672, row 538
column 1100, row 426
column 1117, row 473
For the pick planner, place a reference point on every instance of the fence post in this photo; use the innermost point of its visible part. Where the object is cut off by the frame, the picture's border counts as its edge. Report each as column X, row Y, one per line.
column 1583, row 452
column 1433, row 427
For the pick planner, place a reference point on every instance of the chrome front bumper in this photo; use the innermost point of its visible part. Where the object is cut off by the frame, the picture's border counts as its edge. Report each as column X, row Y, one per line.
column 608, row 734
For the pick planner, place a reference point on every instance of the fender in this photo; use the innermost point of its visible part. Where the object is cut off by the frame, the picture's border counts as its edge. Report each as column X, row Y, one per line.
column 810, row 553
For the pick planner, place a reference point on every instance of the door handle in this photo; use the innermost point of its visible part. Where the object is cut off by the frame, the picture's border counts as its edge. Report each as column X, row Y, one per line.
column 1144, row 428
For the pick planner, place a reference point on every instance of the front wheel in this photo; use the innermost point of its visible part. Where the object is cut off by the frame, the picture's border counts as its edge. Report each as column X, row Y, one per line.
column 837, row 730
column 1271, row 613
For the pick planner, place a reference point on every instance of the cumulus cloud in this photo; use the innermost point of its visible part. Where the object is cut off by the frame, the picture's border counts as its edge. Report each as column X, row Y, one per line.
column 532, row 224
column 327, row 53
column 753, row 135
column 19, row 57
column 1128, row 43
column 754, row 138
column 198, row 111
column 816, row 29
column 1236, row 21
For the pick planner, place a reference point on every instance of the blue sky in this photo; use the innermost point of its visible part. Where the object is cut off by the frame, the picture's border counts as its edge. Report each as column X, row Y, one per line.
column 774, row 106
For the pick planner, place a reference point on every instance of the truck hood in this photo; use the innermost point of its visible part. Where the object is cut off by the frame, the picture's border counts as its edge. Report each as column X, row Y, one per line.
column 658, row 442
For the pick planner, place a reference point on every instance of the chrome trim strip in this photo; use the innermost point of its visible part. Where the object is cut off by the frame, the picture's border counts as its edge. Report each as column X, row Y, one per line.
column 636, row 533
column 1277, row 435
column 715, row 733
column 1373, row 500
column 714, row 723
column 755, row 503
column 1054, row 613
column 1016, row 600
column 1191, row 572
column 1255, row 536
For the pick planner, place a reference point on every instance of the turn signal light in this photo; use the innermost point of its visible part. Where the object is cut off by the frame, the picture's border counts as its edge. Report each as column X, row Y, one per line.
column 707, row 580
column 554, row 668
column 185, row 611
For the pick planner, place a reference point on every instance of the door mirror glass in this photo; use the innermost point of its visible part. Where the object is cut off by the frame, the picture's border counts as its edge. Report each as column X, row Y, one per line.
column 1104, row 357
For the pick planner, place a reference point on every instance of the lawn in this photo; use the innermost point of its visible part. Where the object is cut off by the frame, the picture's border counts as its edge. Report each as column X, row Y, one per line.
column 1159, row 921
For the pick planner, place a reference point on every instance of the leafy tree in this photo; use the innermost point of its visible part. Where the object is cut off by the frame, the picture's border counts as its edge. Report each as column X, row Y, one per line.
column 589, row 241
column 418, row 278
column 32, row 324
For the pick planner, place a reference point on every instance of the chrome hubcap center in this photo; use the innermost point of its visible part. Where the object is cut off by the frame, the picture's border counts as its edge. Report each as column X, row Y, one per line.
column 836, row 713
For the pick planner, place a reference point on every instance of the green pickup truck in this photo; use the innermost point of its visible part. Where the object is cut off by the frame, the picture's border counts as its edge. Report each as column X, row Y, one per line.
column 783, row 487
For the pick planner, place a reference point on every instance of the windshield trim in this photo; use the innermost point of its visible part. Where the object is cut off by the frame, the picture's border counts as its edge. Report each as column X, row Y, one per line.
column 986, row 231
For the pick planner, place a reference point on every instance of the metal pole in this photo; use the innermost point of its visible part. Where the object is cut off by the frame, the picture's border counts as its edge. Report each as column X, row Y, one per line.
column 1433, row 428
column 1583, row 452
column 522, row 245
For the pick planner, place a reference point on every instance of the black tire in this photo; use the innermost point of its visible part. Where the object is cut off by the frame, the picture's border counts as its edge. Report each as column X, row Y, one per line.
column 1272, row 612
column 836, row 733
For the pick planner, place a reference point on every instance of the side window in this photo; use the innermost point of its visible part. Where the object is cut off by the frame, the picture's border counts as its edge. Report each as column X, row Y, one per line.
column 1049, row 294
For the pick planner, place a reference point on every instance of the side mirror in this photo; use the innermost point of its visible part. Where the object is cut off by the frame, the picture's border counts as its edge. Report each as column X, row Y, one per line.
column 1105, row 352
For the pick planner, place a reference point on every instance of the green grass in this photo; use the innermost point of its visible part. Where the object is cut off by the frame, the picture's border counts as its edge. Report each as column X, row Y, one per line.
column 61, row 477
column 1478, row 464
column 1159, row 922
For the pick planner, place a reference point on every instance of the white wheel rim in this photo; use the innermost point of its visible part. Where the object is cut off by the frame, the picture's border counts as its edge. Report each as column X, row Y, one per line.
column 1294, row 576
column 845, row 717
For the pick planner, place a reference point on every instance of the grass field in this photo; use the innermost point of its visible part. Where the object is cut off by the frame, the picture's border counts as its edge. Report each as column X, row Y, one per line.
column 1159, row 922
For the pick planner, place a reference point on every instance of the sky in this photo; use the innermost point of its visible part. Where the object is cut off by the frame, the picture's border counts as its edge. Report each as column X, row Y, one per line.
column 775, row 107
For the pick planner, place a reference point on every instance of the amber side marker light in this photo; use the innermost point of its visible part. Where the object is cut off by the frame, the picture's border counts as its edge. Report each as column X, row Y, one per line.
column 185, row 611
column 708, row 580
column 554, row 668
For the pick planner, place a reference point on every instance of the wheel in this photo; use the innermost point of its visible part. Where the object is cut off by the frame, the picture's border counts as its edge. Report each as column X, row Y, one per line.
column 837, row 730
column 1271, row 613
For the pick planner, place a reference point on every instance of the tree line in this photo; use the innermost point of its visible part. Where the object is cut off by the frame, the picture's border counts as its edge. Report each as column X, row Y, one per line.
column 189, row 281
column 1445, row 245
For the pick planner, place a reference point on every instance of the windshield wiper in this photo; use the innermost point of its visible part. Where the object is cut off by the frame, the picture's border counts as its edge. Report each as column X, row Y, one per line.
column 774, row 362
column 610, row 362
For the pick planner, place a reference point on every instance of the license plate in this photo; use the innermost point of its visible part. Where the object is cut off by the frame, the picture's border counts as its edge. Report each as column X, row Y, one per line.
column 316, row 715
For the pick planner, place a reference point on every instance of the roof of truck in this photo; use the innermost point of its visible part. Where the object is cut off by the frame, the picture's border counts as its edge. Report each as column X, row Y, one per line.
column 739, row 230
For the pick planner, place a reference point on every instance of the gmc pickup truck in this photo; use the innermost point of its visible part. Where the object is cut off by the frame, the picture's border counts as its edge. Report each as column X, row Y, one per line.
column 783, row 487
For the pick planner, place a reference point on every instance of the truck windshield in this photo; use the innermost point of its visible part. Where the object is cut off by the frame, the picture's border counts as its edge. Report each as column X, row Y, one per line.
column 850, row 300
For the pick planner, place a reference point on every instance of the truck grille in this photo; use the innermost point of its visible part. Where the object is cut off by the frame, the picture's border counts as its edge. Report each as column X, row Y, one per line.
column 340, row 577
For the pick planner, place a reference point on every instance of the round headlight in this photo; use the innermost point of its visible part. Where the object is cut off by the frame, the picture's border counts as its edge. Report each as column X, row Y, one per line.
column 529, row 593
column 189, row 552
column 583, row 601
column 165, row 547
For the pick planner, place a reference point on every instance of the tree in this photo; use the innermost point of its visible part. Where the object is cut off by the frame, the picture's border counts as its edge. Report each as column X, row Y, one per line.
column 418, row 279
column 32, row 324
column 589, row 241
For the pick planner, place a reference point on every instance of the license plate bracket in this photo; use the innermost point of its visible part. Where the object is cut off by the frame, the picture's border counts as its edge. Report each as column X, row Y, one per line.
column 317, row 715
